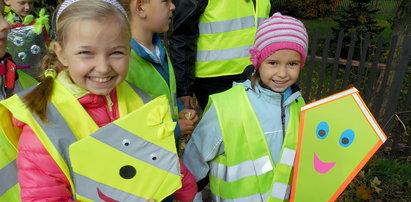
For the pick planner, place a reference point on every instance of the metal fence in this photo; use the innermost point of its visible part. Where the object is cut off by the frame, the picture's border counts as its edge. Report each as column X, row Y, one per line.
column 382, row 74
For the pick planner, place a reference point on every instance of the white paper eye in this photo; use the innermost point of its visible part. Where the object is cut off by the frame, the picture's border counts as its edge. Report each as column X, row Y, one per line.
column 18, row 41
column 22, row 55
column 153, row 156
column 126, row 142
column 35, row 49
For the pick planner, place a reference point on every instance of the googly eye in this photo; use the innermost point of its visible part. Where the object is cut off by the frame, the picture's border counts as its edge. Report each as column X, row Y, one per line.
column 153, row 156
column 346, row 138
column 35, row 49
column 18, row 41
column 322, row 130
column 22, row 55
column 126, row 142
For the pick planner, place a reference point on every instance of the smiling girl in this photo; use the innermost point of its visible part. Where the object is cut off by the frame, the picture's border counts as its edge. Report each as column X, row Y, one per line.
column 82, row 94
column 248, row 134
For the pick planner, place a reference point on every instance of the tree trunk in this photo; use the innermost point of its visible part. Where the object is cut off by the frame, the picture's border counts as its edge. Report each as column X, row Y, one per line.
column 401, row 25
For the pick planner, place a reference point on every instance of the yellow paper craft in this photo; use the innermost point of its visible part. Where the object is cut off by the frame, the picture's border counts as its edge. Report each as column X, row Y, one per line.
column 132, row 159
column 337, row 136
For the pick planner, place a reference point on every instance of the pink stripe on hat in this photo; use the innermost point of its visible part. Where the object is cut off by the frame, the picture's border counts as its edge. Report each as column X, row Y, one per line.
column 276, row 33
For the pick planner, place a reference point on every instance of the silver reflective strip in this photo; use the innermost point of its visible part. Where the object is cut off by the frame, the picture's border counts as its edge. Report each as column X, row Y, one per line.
column 143, row 95
column 245, row 169
column 8, row 177
column 87, row 188
column 223, row 54
column 281, row 191
column 254, row 198
column 226, row 25
column 260, row 20
column 57, row 129
column 58, row 132
column 138, row 148
column 288, row 157
column 17, row 87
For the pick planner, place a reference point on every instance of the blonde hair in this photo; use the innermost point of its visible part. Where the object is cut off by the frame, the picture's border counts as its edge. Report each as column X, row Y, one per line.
column 98, row 10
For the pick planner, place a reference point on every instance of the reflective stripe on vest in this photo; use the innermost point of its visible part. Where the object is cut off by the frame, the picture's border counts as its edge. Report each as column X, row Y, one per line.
column 140, row 70
column 225, row 37
column 53, row 144
column 242, row 170
column 237, row 172
column 8, row 177
column 281, row 186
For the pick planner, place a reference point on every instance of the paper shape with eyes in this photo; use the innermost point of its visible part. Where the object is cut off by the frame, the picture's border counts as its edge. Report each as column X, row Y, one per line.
column 27, row 47
column 337, row 136
column 131, row 159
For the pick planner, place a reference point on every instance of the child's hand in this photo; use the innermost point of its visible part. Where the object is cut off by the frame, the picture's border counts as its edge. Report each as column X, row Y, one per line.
column 186, row 126
column 188, row 101
column 188, row 114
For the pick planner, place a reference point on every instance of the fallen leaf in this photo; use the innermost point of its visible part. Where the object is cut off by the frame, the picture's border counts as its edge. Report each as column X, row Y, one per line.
column 363, row 192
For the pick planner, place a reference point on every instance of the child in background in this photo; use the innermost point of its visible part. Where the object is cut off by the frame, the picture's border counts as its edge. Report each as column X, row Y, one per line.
column 28, row 38
column 150, row 68
column 93, row 46
column 18, row 9
column 12, row 80
column 248, row 135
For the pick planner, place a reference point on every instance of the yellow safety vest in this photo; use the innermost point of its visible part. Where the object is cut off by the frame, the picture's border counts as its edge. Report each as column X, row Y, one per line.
column 25, row 80
column 9, row 189
column 227, row 31
column 78, row 136
column 145, row 76
column 246, row 171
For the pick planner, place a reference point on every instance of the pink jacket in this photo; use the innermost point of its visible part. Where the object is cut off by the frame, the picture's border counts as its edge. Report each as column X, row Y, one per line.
column 40, row 177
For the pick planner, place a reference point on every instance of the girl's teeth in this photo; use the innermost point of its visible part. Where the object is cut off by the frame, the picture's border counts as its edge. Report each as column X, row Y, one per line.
column 101, row 80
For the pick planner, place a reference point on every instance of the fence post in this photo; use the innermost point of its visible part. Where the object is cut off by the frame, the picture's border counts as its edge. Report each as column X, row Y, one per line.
column 394, row 95
column 323, row 64
column 364, row 54
column 373, row 71
column 336, row 62
column 380, row 101
column 349, row 60
column 311, row 68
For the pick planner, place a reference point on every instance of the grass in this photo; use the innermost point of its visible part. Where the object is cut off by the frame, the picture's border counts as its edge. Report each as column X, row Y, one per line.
column 382, row 178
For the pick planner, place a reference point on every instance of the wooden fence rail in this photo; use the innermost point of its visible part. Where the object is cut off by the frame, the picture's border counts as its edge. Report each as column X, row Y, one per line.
column 381, row 73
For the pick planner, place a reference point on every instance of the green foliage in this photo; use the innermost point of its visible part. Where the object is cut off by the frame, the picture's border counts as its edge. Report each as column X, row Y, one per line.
column 359, row 16
column 50, row 6
column 307, row 9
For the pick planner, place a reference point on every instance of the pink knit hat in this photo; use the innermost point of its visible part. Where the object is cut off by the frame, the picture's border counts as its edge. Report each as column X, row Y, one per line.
column 276, row 33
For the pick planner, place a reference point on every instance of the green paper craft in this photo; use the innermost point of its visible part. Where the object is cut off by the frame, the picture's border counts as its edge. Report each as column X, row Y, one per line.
column 337, row 136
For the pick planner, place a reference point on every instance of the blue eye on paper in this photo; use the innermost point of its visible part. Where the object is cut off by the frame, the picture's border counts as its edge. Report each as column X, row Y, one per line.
column 346, row 138
column 322, row 130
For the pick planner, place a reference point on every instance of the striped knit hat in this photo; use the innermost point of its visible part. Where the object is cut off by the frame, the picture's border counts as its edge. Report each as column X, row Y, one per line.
column 276, row 33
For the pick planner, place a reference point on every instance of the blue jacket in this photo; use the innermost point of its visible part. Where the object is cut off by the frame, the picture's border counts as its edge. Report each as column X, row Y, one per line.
column 207, row 141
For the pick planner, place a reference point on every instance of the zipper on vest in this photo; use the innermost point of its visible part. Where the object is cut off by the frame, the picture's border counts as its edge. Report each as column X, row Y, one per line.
column 282, row 115
column 109, row 102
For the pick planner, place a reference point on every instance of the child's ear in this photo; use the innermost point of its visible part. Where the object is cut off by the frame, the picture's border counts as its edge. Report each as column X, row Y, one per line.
column 58, row 49
column 140, row 8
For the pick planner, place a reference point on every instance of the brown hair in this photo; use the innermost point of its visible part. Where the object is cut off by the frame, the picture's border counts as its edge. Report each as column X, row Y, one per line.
column 38, row 98
column 255, row 78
